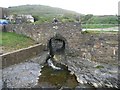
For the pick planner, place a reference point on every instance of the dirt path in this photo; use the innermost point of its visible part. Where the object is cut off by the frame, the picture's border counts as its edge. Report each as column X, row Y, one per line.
column 102, row 29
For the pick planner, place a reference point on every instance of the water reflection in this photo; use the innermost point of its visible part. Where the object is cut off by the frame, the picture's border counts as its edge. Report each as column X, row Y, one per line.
column 56, row 78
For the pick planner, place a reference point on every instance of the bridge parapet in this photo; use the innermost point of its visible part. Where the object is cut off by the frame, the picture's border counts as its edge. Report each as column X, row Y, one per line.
column 43, row 32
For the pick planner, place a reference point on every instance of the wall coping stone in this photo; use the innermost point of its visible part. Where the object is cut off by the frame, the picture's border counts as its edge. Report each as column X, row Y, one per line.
column 20, row 55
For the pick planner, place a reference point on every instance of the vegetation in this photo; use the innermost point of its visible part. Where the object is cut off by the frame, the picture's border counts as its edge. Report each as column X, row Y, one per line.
column 40, row 10
column 92, row 26
column 11, row 41
column 99, row 66
column 98, row 32
column 44, row 14
column 106, row 19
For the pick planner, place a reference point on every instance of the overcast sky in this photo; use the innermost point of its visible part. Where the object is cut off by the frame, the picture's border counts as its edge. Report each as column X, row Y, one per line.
column 96, row 7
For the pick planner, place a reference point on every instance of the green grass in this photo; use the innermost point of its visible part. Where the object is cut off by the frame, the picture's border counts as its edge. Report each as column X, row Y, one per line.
column 99, row 66
column 12, row 41
column 98, row 32
column 93, row 26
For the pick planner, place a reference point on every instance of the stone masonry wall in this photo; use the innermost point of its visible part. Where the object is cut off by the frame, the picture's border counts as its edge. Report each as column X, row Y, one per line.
column 43, row 32
column 98, row 47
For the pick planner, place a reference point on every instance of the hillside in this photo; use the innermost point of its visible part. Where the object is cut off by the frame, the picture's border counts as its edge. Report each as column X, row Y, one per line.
column 44, row 13
column 39, row 10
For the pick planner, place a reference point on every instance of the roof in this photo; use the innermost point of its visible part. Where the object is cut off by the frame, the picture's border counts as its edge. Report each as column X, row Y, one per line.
column 2, row 21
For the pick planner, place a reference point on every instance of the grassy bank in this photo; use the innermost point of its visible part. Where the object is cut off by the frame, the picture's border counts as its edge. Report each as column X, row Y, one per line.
column 98, row 32
column 11, row 41
column 93, row 26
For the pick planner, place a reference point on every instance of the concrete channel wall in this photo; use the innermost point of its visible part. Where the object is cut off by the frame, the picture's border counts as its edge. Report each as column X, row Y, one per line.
column 21, row 55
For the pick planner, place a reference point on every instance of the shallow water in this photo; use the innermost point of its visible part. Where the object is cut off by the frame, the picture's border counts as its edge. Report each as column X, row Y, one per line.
column 56, row 78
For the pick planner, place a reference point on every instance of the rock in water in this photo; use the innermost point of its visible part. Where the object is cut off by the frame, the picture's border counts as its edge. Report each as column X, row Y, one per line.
column 50, row 63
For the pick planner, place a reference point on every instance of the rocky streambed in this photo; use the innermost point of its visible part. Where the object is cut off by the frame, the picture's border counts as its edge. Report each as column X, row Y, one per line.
column 95, row 74
column 88, row 73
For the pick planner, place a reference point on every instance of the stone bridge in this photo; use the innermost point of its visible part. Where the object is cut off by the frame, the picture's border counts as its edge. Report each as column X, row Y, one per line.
column 82, row 50
column 43, row 32
column 97, row 47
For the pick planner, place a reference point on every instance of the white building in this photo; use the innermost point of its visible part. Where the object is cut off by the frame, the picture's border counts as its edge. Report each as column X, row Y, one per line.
column 21, row 18
column 29, row 18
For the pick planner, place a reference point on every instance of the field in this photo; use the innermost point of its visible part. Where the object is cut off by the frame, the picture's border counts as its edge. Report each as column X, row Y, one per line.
column 93, row 26
column 99, row 29
column 10, row 41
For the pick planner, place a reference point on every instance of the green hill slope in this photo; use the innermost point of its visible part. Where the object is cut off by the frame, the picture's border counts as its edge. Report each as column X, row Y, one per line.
column 38, row 10
column 44, row 13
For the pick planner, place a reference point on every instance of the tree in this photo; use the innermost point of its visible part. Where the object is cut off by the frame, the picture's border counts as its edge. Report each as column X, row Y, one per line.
column 86, row 18
column 118, row 18
column 36, row 18
column 14, row 18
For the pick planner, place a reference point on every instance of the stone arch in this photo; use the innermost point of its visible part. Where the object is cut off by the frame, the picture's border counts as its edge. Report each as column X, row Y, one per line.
column 57, row 45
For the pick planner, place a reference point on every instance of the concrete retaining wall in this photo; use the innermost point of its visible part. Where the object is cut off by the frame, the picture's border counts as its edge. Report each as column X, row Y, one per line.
column 20, row 55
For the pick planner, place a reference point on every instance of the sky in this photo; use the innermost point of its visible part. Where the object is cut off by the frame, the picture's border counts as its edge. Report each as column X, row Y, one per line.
column 96, row 7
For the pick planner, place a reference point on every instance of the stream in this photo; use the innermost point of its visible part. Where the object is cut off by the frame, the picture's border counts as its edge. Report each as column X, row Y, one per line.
column 56, row 78
column 78, row 74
